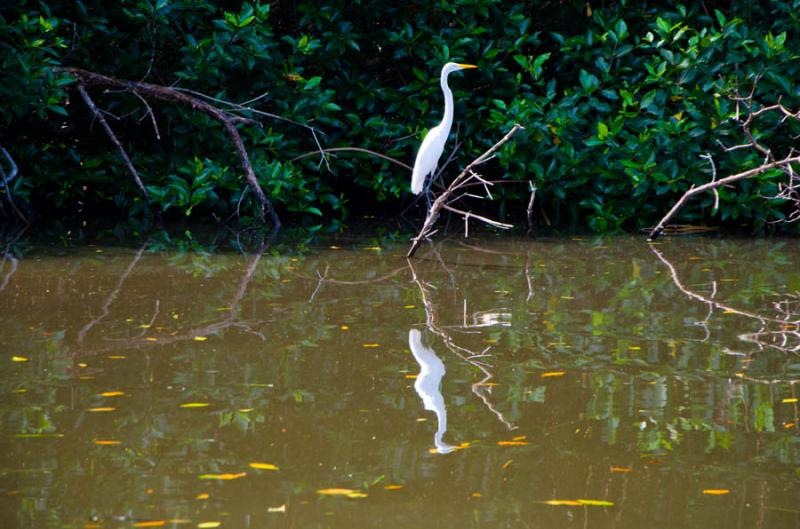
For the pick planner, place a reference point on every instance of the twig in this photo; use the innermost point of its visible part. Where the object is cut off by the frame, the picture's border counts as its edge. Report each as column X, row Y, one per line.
column 353, row 149
column 530, row 207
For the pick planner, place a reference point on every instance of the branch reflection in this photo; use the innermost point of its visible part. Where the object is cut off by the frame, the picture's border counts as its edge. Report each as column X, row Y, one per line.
column 779, row 329
column 482, row 389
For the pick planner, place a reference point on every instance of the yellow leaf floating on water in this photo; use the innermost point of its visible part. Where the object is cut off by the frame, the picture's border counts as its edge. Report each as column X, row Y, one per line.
column 344, row 327
column 145, row 326
column 355, row 495
column 554, row 374
column 117, row 357
column 409, row 306
column 349, row 493
column 621, row 469
column 371, row 345
column 263, row 466
column 224, row 477
column 519, row 438
column 112, row 393
column 202, row 496
column 596, row 503
column 335, row 492
column 584, row 502
column 208, row 525
column 392, row 487
column 512, row 443
column 200, row 338
column 19, row 358
column 151, row 523
column 281, row 508
column 107, row 442
column 789, row 401
column 103, row 408
column 195, row 405
column 716, row 492
column 151, row 339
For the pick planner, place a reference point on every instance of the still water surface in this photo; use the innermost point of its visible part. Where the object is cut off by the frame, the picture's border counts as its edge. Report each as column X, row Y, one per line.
column 493, row 383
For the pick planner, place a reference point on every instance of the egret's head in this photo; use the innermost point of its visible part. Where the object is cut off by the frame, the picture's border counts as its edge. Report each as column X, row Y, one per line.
column 454, row 67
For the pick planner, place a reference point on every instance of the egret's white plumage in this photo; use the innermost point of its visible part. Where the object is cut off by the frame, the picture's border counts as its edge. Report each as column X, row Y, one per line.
column 433, row 145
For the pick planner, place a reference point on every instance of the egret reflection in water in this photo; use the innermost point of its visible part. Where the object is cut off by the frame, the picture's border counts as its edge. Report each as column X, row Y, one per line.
column 428, row 386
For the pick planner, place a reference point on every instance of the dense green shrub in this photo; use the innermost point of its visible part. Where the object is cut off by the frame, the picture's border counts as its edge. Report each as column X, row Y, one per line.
column 618, row 102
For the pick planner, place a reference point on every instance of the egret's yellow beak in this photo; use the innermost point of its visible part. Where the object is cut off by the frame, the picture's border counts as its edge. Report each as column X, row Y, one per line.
column 465, row 66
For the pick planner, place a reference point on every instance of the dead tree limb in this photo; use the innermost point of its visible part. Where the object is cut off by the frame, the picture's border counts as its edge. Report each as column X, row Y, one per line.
column 113, row 137
column 174, row 95
column 466, row 178
column 788, row 191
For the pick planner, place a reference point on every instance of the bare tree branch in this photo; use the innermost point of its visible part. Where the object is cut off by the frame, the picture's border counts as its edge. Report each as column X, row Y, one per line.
column 789, row 191
column 354, row 149
column 110, row 133
column 174, row 95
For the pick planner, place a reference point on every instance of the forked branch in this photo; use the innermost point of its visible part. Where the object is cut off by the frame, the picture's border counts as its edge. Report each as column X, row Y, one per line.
column 456, row 190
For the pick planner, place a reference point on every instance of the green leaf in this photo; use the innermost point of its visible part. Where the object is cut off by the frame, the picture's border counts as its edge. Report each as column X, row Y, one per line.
column 311, row 83
column 588, row 81
column 602, row 131
column 648, row 99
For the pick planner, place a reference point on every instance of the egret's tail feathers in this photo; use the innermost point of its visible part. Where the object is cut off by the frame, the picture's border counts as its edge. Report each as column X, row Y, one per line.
column 417, row 182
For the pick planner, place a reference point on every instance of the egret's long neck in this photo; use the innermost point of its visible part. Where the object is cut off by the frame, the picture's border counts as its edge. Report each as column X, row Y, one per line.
column 447, row 121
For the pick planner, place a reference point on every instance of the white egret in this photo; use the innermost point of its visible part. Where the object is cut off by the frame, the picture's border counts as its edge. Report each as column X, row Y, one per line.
column 433, row 145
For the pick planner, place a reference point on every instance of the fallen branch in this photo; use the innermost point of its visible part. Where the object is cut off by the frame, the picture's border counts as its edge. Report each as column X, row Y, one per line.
column 466, row 178
column 789, row 191
column 659, row 229
column 174, row 95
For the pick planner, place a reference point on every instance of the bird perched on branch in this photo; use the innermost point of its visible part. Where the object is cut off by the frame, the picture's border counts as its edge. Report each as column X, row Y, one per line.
column 433, row 145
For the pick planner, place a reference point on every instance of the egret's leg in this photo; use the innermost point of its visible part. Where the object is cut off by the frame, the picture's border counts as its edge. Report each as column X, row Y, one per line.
column 427, row 187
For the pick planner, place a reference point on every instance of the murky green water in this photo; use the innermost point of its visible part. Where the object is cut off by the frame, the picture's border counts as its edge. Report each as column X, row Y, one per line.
column 635, row 385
